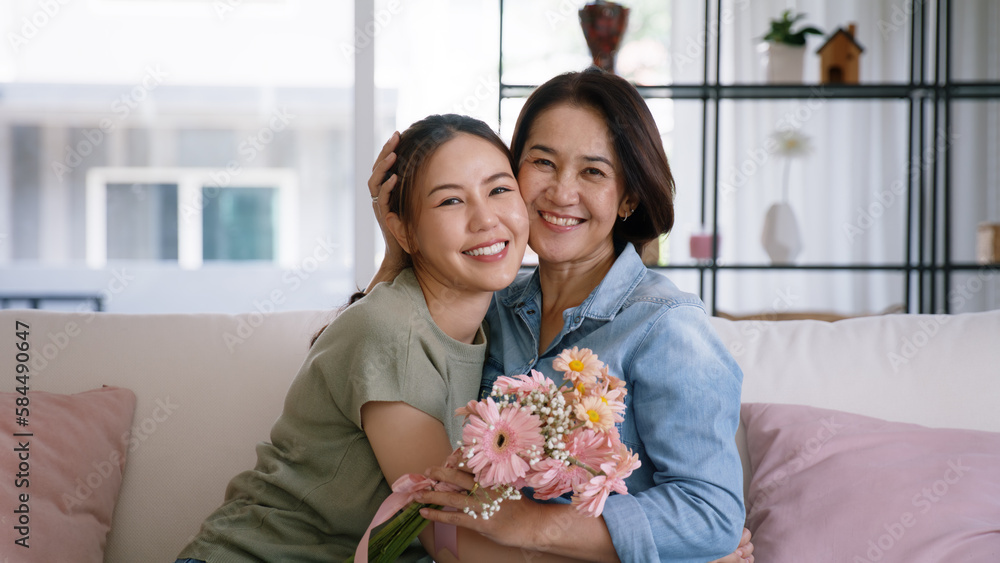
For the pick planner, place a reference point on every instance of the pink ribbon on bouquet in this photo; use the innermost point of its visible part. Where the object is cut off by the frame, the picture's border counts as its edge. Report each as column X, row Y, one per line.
column 404, row 490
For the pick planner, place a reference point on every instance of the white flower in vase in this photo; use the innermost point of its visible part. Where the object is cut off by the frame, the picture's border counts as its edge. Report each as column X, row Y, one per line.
column 781, row 237
column 791, row 143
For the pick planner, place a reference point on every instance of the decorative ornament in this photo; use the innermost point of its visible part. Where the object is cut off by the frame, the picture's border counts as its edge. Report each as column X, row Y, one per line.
column 603, row 26
column 840, row 57
column 780, row 236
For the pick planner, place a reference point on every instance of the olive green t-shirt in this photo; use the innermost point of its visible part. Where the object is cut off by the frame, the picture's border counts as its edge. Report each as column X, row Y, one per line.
column 317, row 483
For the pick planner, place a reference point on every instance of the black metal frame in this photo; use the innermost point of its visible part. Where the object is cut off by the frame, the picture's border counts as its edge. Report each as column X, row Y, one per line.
column 927, row 262
column 34, row 300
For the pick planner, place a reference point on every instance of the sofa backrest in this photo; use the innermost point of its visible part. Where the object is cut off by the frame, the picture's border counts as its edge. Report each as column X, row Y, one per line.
column 209, row 387
column 934, row 370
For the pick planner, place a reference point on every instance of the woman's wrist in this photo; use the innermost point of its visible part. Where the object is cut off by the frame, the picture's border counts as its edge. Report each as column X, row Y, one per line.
column 563, row 530
column 387, row 271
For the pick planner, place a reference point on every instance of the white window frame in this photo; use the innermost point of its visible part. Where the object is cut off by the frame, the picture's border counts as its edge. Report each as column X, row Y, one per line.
column 190, row 182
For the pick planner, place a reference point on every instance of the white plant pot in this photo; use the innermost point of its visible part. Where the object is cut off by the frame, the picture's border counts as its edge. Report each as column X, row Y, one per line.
column 782, row 63
column 780, row 236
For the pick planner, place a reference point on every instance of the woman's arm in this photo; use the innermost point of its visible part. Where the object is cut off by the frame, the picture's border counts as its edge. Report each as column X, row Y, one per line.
column 553, row 528
column 556, row 528
column 684, row 388
column 395, row 258
column 408, row 440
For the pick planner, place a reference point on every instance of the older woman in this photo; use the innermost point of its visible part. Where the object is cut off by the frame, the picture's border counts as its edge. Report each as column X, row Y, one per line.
column 598, row 188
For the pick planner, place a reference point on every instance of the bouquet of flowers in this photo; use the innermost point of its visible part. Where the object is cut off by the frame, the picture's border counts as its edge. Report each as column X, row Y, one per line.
column 530, row 432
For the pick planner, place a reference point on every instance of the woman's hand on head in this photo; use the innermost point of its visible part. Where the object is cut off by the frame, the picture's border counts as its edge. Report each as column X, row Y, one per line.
column 395, row 258
column 376, row 187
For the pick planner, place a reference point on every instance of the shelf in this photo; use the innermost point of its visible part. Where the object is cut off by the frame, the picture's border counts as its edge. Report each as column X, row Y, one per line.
column 925, row 269
column 974, row 89
column 798, row 267
column 797, row 91
column 973, row 266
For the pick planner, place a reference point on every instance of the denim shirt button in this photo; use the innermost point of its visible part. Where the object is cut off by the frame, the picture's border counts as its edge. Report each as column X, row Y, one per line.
column 531, row 311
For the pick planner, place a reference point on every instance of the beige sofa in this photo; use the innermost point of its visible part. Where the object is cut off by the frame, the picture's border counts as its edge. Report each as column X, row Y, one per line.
column 208, row 387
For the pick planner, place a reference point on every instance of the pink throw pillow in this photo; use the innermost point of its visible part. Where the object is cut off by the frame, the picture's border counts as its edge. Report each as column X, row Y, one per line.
column 834, row 486
column 60, row 473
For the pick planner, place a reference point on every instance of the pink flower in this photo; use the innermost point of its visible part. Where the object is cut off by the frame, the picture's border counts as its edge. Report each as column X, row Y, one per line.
column 614, row 382
column 497, row 441
column 591, row 448
column 589, row 497
column 595, row 413
column 522, row 384
column 578, row 365
column 614, row 398
column 625, row 462
column 468, row 409
column 551, row 478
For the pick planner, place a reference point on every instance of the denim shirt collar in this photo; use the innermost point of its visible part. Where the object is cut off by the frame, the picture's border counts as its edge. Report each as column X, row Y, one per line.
column 603, row 303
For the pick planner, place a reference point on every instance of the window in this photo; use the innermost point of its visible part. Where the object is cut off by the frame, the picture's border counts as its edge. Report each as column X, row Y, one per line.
column 141, row 221
column 238, row 223
column 187, row 216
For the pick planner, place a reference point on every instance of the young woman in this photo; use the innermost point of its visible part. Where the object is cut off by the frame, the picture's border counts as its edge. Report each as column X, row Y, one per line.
column 598, row 187
column 376, row 395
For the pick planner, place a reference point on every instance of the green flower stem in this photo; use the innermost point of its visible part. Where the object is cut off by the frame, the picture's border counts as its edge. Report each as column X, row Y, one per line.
column 390, row 542
column 394, row 532
column 578, row 463
column 409, row 531
column 784, row 183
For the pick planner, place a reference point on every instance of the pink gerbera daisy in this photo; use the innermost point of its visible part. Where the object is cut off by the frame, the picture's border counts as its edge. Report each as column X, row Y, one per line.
column 522, row 384
column 590, row 496
column 589, row 447
column 595, row 413
column 496, row 442
column 625, row 462
column 578, row 365
column 551, row 478
column 614, row 398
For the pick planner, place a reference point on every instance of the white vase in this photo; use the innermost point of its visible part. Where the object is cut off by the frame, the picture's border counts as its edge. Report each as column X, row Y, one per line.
column 782, row 63
column 780, row 236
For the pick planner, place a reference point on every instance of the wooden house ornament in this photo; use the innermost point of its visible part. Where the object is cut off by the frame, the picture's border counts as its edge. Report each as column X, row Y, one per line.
column 840, row 57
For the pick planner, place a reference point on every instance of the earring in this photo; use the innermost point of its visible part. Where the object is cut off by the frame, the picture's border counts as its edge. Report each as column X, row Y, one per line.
column 628, row 214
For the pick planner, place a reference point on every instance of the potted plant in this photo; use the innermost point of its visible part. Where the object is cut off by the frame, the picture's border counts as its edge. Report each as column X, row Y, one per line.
column 784, row 50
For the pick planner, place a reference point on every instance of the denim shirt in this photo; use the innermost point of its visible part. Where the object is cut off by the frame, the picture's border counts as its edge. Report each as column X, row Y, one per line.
column 682, row 407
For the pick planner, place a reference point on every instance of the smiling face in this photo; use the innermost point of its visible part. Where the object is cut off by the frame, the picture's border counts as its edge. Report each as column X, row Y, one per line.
column 469, row 226
column 572, row 185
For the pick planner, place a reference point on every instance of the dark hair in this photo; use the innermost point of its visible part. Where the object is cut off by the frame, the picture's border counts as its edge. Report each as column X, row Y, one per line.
column 636, row 141
column 416, row 145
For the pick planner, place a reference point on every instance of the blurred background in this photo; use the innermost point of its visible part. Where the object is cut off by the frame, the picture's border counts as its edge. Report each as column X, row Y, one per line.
column 207, row 155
